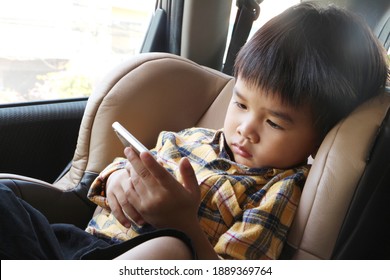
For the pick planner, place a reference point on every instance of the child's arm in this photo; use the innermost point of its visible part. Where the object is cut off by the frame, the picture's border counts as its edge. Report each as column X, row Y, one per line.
column 164, row 202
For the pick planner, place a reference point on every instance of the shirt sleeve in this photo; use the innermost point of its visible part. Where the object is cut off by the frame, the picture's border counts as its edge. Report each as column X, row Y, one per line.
column 259, row 231
column 97, row 191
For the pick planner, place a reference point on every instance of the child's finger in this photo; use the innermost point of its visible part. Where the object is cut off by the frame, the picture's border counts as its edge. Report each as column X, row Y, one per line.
column 156, row 171
column 135, row 163
column 188, row 175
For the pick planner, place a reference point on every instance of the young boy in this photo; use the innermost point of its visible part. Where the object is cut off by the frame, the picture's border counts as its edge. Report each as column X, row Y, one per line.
column 232, row 192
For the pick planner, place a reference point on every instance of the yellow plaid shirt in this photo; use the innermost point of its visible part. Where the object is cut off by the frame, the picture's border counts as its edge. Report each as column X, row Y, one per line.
column 245, row 212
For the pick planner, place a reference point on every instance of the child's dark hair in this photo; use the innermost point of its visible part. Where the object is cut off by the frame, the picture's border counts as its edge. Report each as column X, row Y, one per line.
column 326, row 57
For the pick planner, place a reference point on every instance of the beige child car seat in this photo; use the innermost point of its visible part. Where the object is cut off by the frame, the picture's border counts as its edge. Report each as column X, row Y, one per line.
column 157, row 91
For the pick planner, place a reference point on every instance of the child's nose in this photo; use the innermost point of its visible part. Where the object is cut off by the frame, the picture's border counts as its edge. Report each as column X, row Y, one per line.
column 248, row 131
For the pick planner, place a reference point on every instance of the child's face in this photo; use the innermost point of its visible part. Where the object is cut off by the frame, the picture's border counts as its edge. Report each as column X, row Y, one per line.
column 262, row 132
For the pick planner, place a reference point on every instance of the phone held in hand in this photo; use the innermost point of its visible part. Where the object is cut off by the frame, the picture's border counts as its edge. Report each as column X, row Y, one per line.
column 127, row 139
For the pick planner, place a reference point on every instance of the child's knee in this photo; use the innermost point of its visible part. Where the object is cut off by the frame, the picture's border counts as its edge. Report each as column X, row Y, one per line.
column 160, row 248
column 175, row 247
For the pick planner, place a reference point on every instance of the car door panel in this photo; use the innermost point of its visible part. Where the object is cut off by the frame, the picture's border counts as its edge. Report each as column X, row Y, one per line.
column 38, row 139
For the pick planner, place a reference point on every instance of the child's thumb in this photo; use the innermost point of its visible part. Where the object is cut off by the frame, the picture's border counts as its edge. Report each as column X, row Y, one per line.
column 188, row 175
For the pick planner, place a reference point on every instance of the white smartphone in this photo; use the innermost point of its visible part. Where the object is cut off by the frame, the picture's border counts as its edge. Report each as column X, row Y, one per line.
column 127, row 138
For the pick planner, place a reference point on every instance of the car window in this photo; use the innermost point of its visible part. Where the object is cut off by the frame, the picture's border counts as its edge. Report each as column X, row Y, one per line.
column 268, row 9
column 60, row 49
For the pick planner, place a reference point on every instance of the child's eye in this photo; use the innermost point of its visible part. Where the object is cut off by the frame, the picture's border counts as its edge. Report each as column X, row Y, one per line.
column 240, row 105
column 274, row 125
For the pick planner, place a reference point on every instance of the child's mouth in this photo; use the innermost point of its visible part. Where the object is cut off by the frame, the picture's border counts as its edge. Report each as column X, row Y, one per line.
column 241, row 151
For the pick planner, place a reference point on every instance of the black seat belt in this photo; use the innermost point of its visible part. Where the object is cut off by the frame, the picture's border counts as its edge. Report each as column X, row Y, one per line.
column 248, row 11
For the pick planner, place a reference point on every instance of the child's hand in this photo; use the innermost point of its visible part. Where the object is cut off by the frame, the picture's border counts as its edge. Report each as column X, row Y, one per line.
column 118, row 187
column 158, row 197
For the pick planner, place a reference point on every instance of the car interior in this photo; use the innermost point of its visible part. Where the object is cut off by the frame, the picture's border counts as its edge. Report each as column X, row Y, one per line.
column 53, row 150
